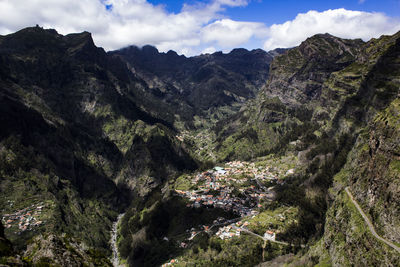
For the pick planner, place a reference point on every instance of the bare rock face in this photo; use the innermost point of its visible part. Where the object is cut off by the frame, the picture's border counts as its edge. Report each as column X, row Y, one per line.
column 297, row 76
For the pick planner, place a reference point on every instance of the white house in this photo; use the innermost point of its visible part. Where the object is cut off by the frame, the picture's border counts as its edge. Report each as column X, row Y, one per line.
column 269, row 235
column 220, row 170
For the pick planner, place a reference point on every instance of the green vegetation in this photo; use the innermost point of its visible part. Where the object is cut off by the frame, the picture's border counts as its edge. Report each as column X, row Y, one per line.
column 276, row 220
column 85, row 134
column 244, row 251
column 121, row 131
column 144, row 227
column 354, row 244
column 30, row 180
column 183, row 183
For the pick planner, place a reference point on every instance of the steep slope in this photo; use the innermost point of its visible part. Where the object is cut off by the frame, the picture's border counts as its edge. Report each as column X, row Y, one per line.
column 70, row 128
column 86, row 134
column 327, row 99
column 372, row 176
column 362, row 102
column 372, row 172
column 201, row 85
column 283, row 109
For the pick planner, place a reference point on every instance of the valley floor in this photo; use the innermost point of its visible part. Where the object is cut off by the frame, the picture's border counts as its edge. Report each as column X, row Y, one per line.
column 247, row 190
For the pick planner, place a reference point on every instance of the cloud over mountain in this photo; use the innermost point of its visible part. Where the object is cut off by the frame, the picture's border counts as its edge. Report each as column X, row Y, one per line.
column 339, row 22
column 195, row 28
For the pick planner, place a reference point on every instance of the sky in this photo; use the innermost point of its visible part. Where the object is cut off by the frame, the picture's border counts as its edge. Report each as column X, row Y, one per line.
column 192, row 27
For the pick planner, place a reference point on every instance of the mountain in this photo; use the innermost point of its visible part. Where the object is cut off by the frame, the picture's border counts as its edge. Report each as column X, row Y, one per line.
column 284, row 106
column 317, row 103
column 86, row 135
column 201, row 85
column 73, row 139
column 82, row 135
column 371, row 172
column 352, row 143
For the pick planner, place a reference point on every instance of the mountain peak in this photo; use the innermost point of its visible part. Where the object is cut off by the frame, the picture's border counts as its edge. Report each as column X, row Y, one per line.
column 30, row 38
column 150, row 50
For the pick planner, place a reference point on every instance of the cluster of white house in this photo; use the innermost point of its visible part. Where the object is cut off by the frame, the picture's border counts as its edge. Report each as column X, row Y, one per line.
column 26, row 218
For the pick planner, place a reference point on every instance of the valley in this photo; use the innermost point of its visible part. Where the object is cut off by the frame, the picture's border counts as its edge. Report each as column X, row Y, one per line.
column 114, row 245
column 136, row 157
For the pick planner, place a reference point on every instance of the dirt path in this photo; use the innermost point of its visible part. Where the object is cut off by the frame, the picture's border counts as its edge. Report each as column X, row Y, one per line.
column 370, row 225
column 265, row 239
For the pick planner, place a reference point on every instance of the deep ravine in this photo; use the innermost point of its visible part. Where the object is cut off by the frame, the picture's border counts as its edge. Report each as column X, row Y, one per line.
column 115, row 259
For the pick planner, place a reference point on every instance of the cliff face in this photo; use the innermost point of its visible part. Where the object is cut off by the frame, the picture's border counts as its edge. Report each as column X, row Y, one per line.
column 363, row 101
column 84, row 134
column 70, row 126
column 199, row 85
column 372, row 173
column 292, row 100
column 377, row 184
column 372, row 167
column 298, row 75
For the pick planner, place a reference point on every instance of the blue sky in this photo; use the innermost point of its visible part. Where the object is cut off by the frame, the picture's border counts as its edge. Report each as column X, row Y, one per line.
column 279, row 11
column 192, row 27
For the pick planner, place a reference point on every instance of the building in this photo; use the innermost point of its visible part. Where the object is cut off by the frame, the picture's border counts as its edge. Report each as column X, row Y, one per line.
column 220, row 170
column 270, row 235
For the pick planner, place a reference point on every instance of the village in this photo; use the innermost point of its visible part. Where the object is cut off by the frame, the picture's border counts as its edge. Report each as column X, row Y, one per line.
column 24, row 219
column 238, row 187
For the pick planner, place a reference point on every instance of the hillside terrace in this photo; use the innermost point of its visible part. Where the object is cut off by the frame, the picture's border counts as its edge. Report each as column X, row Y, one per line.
column 24, row 219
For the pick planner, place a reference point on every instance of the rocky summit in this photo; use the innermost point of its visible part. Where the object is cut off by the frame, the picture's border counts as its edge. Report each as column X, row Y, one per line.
column 250, row 158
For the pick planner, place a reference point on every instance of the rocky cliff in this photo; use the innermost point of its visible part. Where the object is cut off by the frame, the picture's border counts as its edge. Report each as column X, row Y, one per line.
column 73, row 140
column 86, row 134
column 362, row 100
column 289, row 103
column 201, row 85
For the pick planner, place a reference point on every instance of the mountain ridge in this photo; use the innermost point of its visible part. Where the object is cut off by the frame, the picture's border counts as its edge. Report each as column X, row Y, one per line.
column 86, row 134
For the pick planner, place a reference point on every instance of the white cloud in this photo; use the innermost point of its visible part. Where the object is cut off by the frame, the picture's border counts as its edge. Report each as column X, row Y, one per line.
column 339, row 22
column 229, row 33
column 195, row 29
column 233, row 2
column 209, row 50
column 126, row 22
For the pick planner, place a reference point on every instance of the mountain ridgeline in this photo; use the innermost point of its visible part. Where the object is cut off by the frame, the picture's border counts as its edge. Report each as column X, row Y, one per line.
column 199, row 84
column 87, row 134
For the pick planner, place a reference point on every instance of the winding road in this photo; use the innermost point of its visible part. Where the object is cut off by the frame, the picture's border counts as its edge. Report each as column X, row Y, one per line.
column 370, row 225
